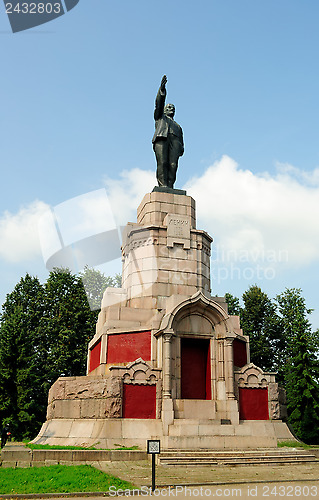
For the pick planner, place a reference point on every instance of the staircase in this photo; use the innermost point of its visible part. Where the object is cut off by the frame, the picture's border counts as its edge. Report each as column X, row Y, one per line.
column 273, row 457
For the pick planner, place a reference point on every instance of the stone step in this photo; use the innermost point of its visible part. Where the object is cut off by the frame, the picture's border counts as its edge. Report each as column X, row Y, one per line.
column 237, row 453
column 241, row 463
column 189, row 429
column 218, row 441
column 196, row 421
column 239, row 458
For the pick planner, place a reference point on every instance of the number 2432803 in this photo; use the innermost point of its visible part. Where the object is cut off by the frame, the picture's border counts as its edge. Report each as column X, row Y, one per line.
column 34, row 8
column 290, row 491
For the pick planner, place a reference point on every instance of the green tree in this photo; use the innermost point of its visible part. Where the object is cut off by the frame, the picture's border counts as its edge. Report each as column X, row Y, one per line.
column 233, row 304
column 44, row 332
column 66, row 326
column 259, row 320
column 302, row 366
column 21, row 401
column 95, row 283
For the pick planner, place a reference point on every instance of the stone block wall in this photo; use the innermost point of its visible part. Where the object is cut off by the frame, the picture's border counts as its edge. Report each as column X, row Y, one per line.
column 156, row 205
column 85, row 397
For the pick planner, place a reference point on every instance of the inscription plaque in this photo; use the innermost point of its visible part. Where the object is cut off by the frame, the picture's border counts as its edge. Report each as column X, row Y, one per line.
column 178, row 229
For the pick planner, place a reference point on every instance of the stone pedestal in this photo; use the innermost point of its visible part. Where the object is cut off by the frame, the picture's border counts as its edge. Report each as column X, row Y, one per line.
column 166, row 360
column 163, row 253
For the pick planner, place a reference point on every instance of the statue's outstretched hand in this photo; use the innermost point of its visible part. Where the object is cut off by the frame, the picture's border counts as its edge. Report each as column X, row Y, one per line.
column 163, row 83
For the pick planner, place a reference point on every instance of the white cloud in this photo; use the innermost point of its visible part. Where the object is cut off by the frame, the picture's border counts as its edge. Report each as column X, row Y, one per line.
column 259, row 214
column 19, row 239
column 76, row 218
column 84, row 216
column 251, row 216
column 126, row 193
column 287, row 171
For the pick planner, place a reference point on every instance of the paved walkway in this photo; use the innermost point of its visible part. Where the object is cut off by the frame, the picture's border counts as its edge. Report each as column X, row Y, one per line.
column 139, row 473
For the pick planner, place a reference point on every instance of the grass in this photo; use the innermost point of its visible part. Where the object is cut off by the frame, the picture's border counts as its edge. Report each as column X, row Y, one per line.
column 57, row 479
column 57, row 447
column 294, row 444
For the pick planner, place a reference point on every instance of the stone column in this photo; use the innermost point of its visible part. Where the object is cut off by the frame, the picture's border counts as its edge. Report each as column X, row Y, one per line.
column 229, row 369
column 167, row 364
column 221, row 362
column 167, row 402
column 221, row 385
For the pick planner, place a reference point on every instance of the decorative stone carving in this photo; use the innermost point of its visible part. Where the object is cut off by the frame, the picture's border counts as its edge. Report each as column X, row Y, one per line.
column 137, row 372
column 251, row 376
column 140, row 372
column 200, row 304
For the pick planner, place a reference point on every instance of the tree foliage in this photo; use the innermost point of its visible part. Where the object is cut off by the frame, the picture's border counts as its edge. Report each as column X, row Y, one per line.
column 301, row 369
column 281, row 340
column 19, row 356
column 259, row 320
column 95, row 283
column 66, row 326
column 233, row 304
column 44, row 332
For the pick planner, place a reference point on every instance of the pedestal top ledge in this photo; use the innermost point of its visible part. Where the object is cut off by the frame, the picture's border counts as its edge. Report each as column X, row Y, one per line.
column 156, row 205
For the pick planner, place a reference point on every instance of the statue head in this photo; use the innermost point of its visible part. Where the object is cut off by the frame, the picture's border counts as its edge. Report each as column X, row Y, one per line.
column 169, row 110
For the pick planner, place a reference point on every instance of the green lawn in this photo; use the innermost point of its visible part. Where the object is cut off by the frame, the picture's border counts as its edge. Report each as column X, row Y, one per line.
column 294, row 444
column 57, row 479
column 57, row 447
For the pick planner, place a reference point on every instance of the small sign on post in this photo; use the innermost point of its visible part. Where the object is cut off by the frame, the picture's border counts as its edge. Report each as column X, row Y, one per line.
column 153, row 448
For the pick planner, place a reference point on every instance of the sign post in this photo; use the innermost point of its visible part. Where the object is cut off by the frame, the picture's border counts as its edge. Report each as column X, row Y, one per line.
column 153, row 448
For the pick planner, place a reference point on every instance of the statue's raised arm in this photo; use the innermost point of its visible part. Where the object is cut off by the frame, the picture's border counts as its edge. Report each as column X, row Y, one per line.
column 167, row 141
column 160, row 99
column 163, row 83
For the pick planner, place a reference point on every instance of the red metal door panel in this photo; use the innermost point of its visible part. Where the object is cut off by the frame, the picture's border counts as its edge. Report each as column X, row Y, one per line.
column 139, row 401
column 126, row 347
column 95, row 356
column 253, row 403
column 195, row 369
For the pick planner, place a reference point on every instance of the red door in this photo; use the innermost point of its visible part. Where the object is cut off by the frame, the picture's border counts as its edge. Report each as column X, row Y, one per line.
column 139, row 401
column 253, row 403
column 195, row 368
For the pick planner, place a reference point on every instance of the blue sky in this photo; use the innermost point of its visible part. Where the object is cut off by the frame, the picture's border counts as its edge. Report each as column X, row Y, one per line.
column 77, row 97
